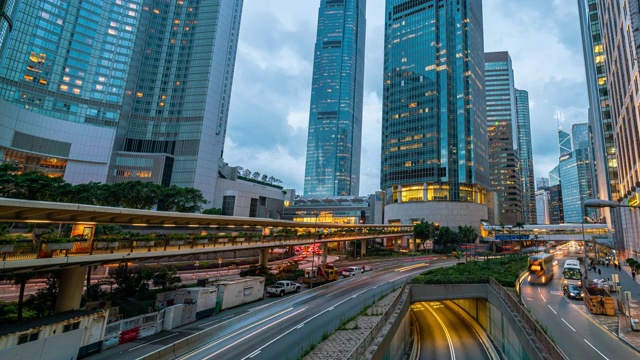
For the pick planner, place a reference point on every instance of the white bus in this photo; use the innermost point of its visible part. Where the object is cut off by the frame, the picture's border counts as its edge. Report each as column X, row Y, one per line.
column 572, row 273
column 541, row 268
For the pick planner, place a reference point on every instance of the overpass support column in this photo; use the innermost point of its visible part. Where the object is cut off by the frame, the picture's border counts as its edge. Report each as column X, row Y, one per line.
column 70, row 292
column 363, row 247
column 325, row 251
column 264, row 257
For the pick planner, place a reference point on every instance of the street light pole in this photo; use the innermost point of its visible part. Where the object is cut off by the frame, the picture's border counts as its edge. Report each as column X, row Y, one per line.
column 584, row 242
column 313, row 255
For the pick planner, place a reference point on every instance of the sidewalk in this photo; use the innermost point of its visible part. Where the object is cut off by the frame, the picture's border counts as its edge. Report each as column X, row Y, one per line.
column 624, row 331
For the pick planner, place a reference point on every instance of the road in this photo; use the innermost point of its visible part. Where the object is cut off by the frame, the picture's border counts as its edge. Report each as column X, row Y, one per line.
column 570, row 325
column 282, row 328
column 443, row 333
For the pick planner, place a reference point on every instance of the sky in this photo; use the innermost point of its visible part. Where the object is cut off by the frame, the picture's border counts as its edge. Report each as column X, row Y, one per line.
column 269, row 111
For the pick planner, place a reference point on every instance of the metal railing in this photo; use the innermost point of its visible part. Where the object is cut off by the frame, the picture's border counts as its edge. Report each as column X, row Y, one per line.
column 364, row 344
column 528, row 321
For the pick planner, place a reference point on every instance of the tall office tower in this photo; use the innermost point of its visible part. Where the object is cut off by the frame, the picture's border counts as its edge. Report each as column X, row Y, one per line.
column 434, row 142
column 564, row 140
column 556, row 212
column 119, row 90
column 525, row 151
column 606, row 186
column 542, row 207
column 335, row 119
column 580, row 136
column 502, row 129
column 621, row 36
column 542, row 182
column 8, row 10
column 575, row 170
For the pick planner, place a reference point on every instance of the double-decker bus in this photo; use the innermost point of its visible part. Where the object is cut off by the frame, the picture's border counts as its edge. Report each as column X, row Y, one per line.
column 572, row 273
column 541, row 268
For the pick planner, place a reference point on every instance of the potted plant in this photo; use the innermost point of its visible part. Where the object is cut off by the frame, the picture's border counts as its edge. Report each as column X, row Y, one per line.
column 8, row 242
column 58, row 243
column 107, row 241
column 144, row 241
column 239, row 237
column 223, row 238
column 202, row 239
column 177, row 239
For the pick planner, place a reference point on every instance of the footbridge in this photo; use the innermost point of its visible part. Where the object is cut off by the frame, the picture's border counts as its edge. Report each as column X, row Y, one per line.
column 162, row 235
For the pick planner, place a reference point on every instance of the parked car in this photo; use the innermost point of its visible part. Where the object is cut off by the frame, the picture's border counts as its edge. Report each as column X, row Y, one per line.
column 352, row 271
column 283, row 287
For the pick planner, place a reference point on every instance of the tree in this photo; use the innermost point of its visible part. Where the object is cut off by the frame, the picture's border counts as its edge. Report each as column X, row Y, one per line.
column 129, row 283
column 256, row 175
column 44, row 300
column 467, row 234
column 271, row 180
column 445, row 237
column 246, row 173
column 264, row 178
column 137, row 194
column 212, row 211
column 166, row 278
column 21, row 279
column 179, row 199
column 519, row 225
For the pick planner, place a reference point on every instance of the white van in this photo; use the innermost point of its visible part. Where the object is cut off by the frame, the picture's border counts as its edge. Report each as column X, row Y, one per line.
column 352, row 271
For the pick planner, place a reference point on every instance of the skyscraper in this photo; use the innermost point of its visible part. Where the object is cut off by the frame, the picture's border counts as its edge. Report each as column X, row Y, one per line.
column 119, row 90
column 525, row 150
column 335, row 118
column 575, row 170
column 606, row 186
column 502, row 129
column 621, row 75
column 580, row 136
column 434, row 141
column 564, row 140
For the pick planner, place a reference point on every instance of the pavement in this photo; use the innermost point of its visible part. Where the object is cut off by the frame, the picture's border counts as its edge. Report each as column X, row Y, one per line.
column 622, row 327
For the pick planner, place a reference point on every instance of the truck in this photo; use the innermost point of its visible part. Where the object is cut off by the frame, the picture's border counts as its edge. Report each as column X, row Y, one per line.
column 282, row 287
column 324, row 274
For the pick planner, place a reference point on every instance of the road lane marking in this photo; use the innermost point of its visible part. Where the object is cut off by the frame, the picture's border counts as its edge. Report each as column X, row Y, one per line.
column 585, row 340
column 232, row 334
column 254, row 353
column 216, row 320
column 253, row 333
column 542, row 296
column 571, row 327
column 552, row 309
column 151, row 342
column 446, row 332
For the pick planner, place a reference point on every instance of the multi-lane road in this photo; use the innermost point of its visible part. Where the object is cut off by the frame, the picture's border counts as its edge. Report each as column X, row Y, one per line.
column 569, row 324
column 444, row 333
column 284, row 328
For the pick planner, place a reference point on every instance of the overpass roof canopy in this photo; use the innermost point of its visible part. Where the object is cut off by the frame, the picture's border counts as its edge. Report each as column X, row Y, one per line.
column 14, row 210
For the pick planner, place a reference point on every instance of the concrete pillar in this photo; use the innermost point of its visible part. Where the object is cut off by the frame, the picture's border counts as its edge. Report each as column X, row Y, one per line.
column 325, row 251
column 396, row 244
column 70, row 292
column 264, row 257
column 363, row 247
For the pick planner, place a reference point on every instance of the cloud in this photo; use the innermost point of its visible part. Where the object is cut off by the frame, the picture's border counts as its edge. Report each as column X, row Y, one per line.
column 267, row 128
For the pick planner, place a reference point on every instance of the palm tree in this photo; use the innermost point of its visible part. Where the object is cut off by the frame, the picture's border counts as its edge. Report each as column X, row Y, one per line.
column 519, row 225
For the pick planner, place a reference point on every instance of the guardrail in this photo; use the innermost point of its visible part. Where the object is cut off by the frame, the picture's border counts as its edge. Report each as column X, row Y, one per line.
column 364, row 344
column 527, row 321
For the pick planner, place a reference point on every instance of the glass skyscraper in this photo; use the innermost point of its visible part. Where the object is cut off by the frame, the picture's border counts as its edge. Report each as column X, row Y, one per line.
column 564, row 140
column 576, row 182
column 580, row 136
column 112, row 91
column 335, row 118
column 525, row 150
column 434, row 141
column 502, row 129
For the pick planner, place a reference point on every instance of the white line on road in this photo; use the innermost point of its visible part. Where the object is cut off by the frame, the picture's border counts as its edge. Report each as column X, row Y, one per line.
column 151, row 342
column 552, row 309
column 216, row 320
column 446, row 332
column 254, row 353
column 571, row 327
column 585, row 340
column 542, row 296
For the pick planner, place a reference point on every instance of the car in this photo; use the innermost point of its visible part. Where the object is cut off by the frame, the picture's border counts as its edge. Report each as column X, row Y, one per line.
column 573, row 292
column 352, row 271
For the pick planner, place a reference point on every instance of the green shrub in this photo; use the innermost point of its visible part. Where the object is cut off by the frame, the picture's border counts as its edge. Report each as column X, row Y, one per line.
column 504, row 270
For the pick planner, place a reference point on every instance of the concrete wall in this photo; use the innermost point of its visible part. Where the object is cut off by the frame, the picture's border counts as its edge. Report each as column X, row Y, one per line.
column 63, row 346
column 244, row 191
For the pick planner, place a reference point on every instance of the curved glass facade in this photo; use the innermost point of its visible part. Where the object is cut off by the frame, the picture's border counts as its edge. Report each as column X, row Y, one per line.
column 335, row 118
column 434, row 138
